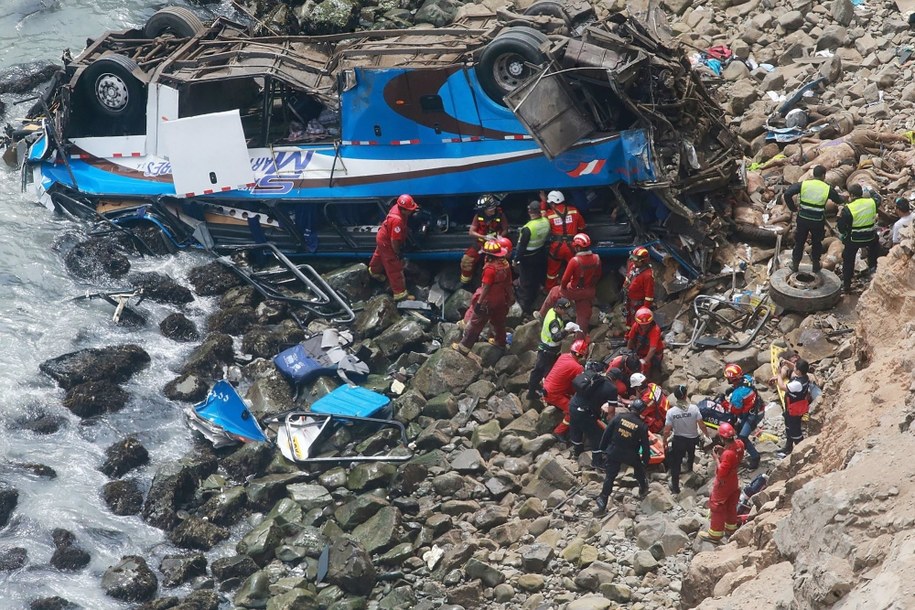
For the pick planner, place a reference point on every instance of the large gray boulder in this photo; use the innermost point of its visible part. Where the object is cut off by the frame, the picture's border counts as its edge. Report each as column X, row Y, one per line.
column 130, row 580
column 379, row 313
column 115, row 364
column 350, row 567
column 445, row 371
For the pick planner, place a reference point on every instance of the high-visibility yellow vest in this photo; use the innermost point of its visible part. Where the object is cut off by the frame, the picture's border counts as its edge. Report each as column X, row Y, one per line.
column 546, row 338
column 863, row 219
column 540, row 231
column 814, row 194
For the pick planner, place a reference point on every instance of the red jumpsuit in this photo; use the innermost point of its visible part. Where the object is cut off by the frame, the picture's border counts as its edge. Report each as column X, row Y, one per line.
column 496, row 224
column 579, row 283
column 655, row 412
column 725, row 491
column 557, row 387
column 497, row 274
column 393, row 229
column 639, row 288
column 647, row 336
column 565, row 221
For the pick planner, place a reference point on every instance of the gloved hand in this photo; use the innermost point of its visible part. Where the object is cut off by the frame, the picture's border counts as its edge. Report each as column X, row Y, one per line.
column 719, row 399
column 480, row 308
column 572, row 327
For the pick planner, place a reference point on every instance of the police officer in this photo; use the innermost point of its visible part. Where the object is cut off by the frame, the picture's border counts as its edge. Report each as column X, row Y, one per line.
column 857, row 225
column 530, row 257
column 811, row 215
column 625, row 441
column 595, row 396
column 685, row 422
column 554, row 329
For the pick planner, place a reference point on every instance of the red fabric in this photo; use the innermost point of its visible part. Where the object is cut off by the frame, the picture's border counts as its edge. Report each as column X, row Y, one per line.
column 582, row 272
column 498, row 276
column 798, row 407
column 726, row 489
column 646, row 340
column 723, row 512
column 485, row 225
column 655, row 412
column 565, row 220
column 639, row 288
column 582, row 299
column 559, row 380
column 558, row 255
column 393, row 229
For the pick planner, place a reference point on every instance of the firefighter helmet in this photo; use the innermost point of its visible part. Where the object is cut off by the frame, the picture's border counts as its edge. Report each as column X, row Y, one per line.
column 580, row 347
column 487, row 202
column 733, row 372
column 405, row 202
column 506, row 243
column 640, row 253
column 492, row 248
column 636, row 380
column 644, row 316
column 726, row 430
column 554, row 197
column 581, row 240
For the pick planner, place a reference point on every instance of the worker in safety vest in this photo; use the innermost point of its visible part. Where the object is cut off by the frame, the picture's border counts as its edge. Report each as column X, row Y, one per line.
column 639, row 283
column 579, row 282
column 557, row 386
column 496, row 297
column 387, row 260
column 811, row 215
column 565, row 222
column 488, row 223
column 530, row 257
column 554, row 329
column 857, row 225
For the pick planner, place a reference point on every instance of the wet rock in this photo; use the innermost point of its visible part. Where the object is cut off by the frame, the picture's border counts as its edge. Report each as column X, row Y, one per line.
column 213, row 279
column 195, row 533
column 358, row 510
column 254, row 592
column 186, row 388
column 328, row 17
column 113, row 364
column 13, row 559
column 235, row 566
column 234, row 321
column 177, row 327
column 124, row 456
column 52, row 603
column 350, row 568
column 161, row 288
column 371, row 475
column 263, row 342
column 261, row 542
column 309, row 496
column 41, row 423
column 445, row 371
column 94, row 398
column 437, row 12
column 225, row 508
column 210, row 356
column 247, row 460
column 400, row 597
column 240, row 296
column 456, row 305
column 40, row 471
column 379, row 313
column 68, row 555
column 22, row 78
column 123, row 497
column 403, row 333
column 293, row 600
column 378, row 533
column 130, row 580
column 351, row 281
column 172, row 486
column 96, row 258
column 179, row 569
column 264, row 492
column 9, row 498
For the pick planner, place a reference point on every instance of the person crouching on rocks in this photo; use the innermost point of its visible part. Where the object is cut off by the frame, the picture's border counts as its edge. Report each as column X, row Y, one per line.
column 625, row 441
column 595, row 397
column 557, row 386
column 726, row 487
column 495, row 300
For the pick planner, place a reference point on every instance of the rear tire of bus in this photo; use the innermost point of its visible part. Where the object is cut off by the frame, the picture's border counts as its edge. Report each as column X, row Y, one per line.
column 112, row 88
column 175, row 20
column 507, row 61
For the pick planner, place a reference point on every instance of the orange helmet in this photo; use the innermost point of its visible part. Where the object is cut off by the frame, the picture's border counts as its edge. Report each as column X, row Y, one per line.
column 580, row 347
column 644, row 316
column 726, row 430
column 506, row 243
column 492, row 248
column 581, row 240
column 405, row 202
column 733, row 372
column 640, row 253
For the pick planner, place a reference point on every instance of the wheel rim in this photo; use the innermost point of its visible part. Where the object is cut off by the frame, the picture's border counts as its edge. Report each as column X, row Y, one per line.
column 111, row 92
column 510, row 70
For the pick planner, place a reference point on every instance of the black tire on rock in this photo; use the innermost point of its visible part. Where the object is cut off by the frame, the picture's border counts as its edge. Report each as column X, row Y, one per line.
column 550, row 8
column 175, row 20
column 805, row 291
column 505, row 62
column 112, row 89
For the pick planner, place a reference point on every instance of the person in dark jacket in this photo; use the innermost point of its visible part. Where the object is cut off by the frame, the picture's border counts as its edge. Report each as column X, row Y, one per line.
column 595, row 396
column 530, row 257
column 625, row 441
column 811, row 215
column 857, row 226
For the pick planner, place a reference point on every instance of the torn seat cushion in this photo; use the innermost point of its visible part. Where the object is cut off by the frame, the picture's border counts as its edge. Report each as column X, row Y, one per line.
column 297, row 366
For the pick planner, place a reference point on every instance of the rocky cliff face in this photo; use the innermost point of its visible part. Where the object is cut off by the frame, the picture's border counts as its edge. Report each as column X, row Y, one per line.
column 837, row 526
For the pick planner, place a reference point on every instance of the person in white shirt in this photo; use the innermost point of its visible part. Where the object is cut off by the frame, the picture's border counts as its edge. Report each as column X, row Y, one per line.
column 685, row 422
column 905, row 219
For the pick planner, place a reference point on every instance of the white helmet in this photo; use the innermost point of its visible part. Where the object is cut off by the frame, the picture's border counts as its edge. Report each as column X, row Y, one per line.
column 636, row 380
column 555, row 197
column 795, row 386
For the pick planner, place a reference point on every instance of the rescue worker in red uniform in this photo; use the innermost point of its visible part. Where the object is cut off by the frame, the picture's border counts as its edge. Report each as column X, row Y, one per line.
column 387, row 261
column 726, row 487
column 565, row 222
column 579, row 282
column 496, row 297
column 644, row 339
column 656, row 406
column 489, row 222
column 506, row 243
column 626, row 364
column 742, row 402
column 639, row 283
column 557, row 386
column 797, row 404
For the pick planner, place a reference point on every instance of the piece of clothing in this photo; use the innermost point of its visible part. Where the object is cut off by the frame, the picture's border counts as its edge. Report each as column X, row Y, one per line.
column 495, row 226
column 680, row 447
column 745, row 426
column 532, row 238
column 531, row 275
column 794, row 431
column 742, row 398
column 644, row 337
column 899, row 225
column 558, row 388
column 797, row 401
column 684, row 420
column 565, row 221
column 725, row 492
column 816, row 230
column 582, row 300
column 857, row 221
column 388, row 242
column 585, row 411
column 656, row 407
column 578, row 284
column 612, row 470
column 551, row 330
column 558, row 255
column 546, row 358
column 638, row 288
column 813, row 195
column 626, row 439
column 850, row 252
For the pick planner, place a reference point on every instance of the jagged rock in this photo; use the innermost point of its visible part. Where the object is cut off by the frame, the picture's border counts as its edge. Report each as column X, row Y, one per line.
column 234, row 321
column 455, row 305
column 177, row 327
column 490, row 516
column 469, row 595
column 23, row 77
column 13, row 559
column 596, row 574
column 445, row 371
column 130, row 580
column 397, row 554
column 481, row 389
column 254, row 592
column 235, row 566
column 124, row 456
column 328, row 17
column 524, row 426
column 536, row 557
column 350, row 568
column 98, row 257
column 9, row 498
column 266, row 342
column 468, row 461
column 195, row 533
column 123, row 497
column 173, row 485
column 94, row 398
column 366, row 476
column 402, row 333
column 358, row 509
column 270, row 394
column 213, row 279
column 114, row 364
column 508, row 533
column 500, row 486
column 264, row 492
column 706, row 569
column 186, row 388
column 309, row 496
column 549, row 476
column 408, row 406
column 179, row 569
column 67, row 554
column 249, row 459
column 489, row 575
column 351, row 281
column 400, row 597
column 296, row 599
column 209, row 357
column 442, row 406
column 643, row 562
column 378, row 315
column 261, row 542
column 378, row 533
column 225, row 508
column 161, row 288
column 843, row 11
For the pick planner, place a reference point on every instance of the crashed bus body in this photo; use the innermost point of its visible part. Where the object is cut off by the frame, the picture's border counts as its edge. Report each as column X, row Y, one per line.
column 220, row 138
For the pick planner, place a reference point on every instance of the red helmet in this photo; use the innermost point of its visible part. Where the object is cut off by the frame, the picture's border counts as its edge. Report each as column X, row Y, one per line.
column 405, row 202
column 506, row 243
column 580, row 347
column 581, row 240
column 492, row 248
column 644, row 316
column 726, row 430
column 733, row 372
column 640, row 253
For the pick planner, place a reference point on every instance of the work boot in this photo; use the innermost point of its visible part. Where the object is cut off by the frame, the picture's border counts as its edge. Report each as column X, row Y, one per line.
column 378, row 277
column 460, row 348
column 600, row 504
column 753, row 463
column 817, row 267
column 673, row 486
column 403, row 296
column 705, row 536
column 597, row 460
column 793, row 265
column 643, row 491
